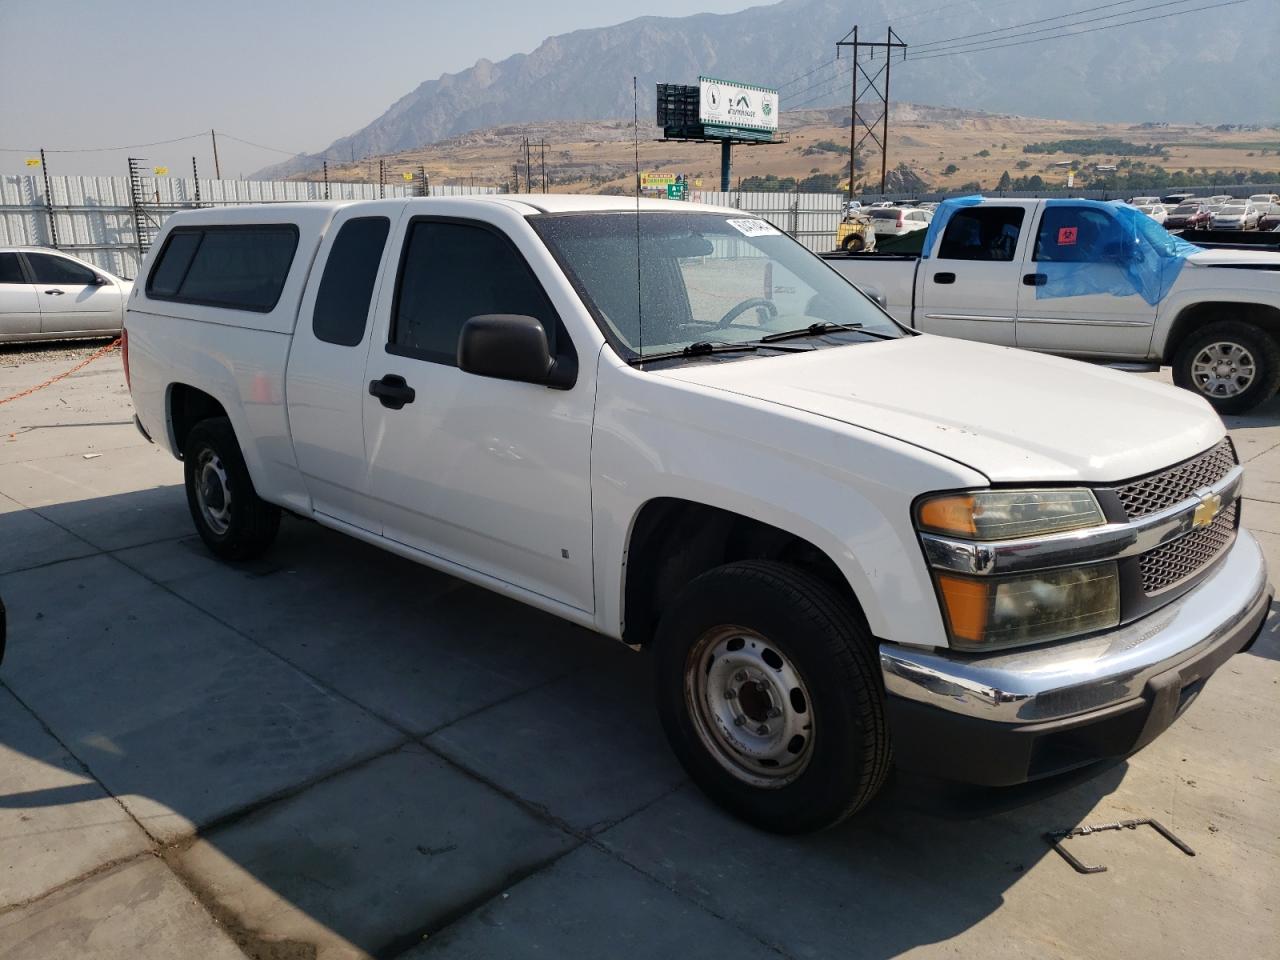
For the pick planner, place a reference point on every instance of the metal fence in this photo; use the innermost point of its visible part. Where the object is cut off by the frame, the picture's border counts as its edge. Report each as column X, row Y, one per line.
column 98, row 218
column 812, row 218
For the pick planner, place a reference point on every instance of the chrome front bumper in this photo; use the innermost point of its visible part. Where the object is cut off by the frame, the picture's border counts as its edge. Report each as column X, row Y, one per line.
column 1036, row 711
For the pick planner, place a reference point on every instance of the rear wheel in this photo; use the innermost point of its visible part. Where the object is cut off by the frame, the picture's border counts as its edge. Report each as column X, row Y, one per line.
column 1233, row 365
column 854, row 243
column 233, row 521
column 770, row 696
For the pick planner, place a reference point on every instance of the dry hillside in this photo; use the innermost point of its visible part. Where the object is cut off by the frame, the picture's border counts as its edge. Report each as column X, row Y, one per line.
column 595, row 156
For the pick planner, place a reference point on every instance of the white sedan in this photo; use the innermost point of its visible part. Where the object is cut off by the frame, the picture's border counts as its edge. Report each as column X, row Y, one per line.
column 1156, row 211
column 49, row 295
column 1238, row 215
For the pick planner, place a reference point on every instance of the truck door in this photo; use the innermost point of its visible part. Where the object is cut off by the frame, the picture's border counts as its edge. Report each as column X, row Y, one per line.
column 72, row 298
column 19, row 304
column 969, row 284
column 1074, row 297
column 325, row 383
column 492, row 475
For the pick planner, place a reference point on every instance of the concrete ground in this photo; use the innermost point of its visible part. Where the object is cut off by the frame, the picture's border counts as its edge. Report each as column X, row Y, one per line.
column 334, row 753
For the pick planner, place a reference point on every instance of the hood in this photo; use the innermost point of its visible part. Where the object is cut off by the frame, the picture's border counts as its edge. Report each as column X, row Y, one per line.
column 1010, row 414
column 1257, row 259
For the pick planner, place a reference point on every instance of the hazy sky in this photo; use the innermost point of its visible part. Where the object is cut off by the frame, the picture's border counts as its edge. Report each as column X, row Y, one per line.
column 295, row 76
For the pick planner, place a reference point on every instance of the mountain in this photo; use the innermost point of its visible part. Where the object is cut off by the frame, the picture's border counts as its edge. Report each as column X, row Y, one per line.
column 1206, row 66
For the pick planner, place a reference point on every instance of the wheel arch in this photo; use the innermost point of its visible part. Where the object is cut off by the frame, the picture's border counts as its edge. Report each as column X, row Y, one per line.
column 186, row 406
column 1193, row 316
column 672, row 540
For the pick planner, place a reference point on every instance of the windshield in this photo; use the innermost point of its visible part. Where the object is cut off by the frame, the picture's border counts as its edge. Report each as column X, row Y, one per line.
column 703, row 278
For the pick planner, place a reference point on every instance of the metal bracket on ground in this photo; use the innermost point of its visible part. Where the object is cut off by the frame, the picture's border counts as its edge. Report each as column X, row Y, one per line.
column 1055, row 840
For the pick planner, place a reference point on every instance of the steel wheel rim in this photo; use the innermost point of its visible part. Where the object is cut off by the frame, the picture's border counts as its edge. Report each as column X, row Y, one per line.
column 1223, row 369
column 213, row 493
column 750, row 706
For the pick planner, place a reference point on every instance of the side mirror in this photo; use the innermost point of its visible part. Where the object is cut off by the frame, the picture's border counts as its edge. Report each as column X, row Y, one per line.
column 509, row 346
column 99, row 280
column 877, row 296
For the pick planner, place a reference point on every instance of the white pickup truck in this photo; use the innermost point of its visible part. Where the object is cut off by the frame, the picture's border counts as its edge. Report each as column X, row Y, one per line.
column 1092, row 280
column 844, row 542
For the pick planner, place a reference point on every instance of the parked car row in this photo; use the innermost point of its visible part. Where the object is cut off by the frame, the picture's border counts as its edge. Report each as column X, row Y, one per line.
column 1180, row 211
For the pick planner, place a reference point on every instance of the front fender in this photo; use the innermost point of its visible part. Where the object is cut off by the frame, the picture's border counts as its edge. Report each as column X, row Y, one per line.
column 846, row 490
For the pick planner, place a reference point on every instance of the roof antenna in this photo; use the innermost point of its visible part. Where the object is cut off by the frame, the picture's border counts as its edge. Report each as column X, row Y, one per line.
column 635, row 127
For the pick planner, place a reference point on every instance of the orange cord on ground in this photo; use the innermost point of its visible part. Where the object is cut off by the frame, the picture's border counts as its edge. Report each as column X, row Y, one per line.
column 83, row 363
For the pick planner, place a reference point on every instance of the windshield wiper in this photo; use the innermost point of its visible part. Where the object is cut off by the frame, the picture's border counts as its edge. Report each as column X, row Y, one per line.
column 701, row 348
column 817, row 329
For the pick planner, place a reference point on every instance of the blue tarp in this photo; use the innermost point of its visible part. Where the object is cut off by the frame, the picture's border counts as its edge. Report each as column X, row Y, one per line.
column 1088, row 247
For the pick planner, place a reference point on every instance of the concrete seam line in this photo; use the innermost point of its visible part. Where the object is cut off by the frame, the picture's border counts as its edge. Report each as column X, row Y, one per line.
column 101, row 868
column 75, row 756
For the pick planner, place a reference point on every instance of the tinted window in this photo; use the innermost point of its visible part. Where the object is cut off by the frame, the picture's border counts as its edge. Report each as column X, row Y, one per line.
column 982, row 233
column 342, row 303
column 241, row 268
column 1074, row 235
column 438, row 290
column 884, row 213
column 172, row 266
column 51, row 269
column 11, row 269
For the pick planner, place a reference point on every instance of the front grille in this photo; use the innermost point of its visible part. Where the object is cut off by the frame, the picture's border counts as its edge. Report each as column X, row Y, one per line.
column 1169, row 565
column 1154, row 493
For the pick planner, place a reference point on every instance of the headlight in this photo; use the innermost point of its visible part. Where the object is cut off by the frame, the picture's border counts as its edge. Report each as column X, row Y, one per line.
column 986, row 613
column 1006, row 514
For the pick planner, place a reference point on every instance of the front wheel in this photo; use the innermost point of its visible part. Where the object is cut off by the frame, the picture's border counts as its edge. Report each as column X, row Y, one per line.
column 770, row 695
column 233, row 521
column 1233, row 365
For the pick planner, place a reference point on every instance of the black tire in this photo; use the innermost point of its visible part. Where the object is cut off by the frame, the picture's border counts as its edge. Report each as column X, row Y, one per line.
column 1259, row 345
column 249, row 524
column 831, row 650
column 854, row 243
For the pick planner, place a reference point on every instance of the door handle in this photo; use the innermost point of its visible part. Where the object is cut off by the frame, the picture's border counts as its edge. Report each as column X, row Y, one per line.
column 944, row 278
column 55, row 292
column 1035, row 279
column 392, row 392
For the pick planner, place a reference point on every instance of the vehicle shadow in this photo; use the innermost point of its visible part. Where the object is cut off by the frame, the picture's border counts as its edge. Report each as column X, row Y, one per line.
column 366, row 748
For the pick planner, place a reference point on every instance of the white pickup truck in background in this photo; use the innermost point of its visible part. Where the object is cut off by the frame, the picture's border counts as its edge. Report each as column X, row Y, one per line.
column 1070, row 278
column 673, row 425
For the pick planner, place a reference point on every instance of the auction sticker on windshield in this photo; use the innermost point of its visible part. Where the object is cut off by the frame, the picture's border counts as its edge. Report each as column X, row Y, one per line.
column 754, row 228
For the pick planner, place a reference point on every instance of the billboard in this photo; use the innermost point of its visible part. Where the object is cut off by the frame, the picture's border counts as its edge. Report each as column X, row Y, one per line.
column 738, row 110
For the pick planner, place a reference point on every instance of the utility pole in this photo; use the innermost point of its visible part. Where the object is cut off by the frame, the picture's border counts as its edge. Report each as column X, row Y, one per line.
column 891, row 43
column 515, row 176
column 324, row 164
column 528, row 167
column 217, row 170
column 195, row 178
column 382, row 178
column 48, row 202
column 544, row 165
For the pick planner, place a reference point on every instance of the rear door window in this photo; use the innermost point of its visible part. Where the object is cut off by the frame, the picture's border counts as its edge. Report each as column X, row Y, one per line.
column 11, row 269
column 982, row 233
column 50, row 269
column 239, row 268
column 346, row 288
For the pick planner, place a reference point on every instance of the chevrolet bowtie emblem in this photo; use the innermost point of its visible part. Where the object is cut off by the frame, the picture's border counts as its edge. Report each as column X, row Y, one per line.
column 1206, row 510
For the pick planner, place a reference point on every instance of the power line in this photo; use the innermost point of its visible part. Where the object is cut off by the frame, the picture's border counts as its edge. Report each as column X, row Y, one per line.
column 801, row 76
column 129, row 146
column 1076, row 33
column 938, row 45
column 840, row 74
